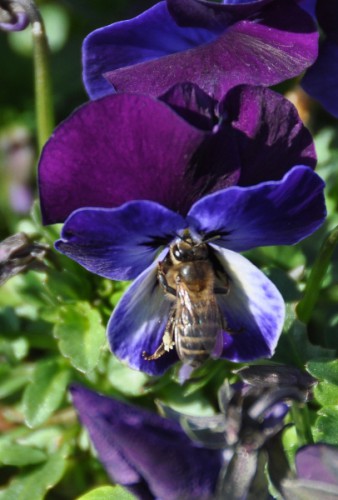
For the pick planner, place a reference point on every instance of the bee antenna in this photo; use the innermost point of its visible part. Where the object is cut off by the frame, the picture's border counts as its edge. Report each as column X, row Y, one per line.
column 179, row 236
column 212, row 238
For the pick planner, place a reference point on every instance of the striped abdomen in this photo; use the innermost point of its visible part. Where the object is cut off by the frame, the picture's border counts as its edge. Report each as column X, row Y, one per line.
column 197, row 326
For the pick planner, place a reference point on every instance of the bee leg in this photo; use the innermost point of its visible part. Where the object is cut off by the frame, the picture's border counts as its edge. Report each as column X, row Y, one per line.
column 163, row 281
column 157, row 354
column 167, row 341
column 168, row 336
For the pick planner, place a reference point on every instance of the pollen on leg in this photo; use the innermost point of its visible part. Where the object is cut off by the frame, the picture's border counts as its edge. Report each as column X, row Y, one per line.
column 168, row 342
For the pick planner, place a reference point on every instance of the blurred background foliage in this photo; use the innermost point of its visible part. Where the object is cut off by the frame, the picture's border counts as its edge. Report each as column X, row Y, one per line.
column 52, row 323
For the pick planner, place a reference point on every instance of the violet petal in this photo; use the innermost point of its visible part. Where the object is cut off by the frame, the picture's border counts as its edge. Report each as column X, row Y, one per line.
column 254, row 309
column 321, row 80
column 138, row 322
column 194, row 105
column 99, row 158
column 145, row 452
column 118, row 243
column 247, row 52
column 318, row 462
column 270, row 136
column 272, row 213
column 201, row 13
column 151, row 35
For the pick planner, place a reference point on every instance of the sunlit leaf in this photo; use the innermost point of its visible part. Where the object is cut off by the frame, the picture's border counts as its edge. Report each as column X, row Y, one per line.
column 327, row 425
column 326, row 394
column 35, row 484
column 15, row 454
column 126, row 380
column 81, row 335
column 324, row 370
column 107, row 493
column 45, row 392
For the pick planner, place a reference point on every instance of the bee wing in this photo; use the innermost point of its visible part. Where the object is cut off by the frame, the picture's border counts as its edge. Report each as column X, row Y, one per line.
column 198, row 322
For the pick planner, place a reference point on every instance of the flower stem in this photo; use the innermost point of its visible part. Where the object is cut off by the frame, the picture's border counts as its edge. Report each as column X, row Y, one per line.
column 305, row 306
column 43, row 87
column 301, row 418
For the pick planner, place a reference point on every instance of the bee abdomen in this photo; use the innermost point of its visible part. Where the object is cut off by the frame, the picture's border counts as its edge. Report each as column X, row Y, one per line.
column 195, row 345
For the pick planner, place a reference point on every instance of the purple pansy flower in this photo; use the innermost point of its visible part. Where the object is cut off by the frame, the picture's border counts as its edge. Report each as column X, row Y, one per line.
column 126, row 242
column 173, row 150
column 317, row 474
column 321, row 80
column 216, row 46
column 146, row 453
column 144, row 176
column 153, row 457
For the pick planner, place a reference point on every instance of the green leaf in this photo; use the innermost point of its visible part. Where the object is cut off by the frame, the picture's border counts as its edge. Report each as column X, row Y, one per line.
column 294, row 347
column 81, row 335
column 124, row 379
column 324, row 370
column 14, row 350
column 47, row 439
column 326, row 426
column 35, row 484
column 15, row 454
column 306, row 306
column 107, row 493
column 326, row 394
column 16, row 379
column 45, row 392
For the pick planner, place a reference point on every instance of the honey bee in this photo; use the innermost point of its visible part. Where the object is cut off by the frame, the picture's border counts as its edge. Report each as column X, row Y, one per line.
column 195, row 325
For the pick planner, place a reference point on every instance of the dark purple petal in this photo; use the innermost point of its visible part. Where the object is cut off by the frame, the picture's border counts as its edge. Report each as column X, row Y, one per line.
column 114, row 150
column 118, row 243
column 321, row 80
column 147, row 453
column 271, row 137
column 272, row 213
column 318, row 462
column 138, row 323
column 194, row 105
column 149, row 36
column 201, row 13
column 247, row 52
column 254, row 309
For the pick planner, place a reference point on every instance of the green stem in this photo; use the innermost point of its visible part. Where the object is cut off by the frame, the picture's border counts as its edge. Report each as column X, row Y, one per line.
column 300, row 416
column 43, row 87
column 306, row 305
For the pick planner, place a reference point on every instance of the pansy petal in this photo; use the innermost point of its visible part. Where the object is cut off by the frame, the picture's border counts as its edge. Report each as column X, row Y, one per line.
column 147, row 453
column 318, row 462
column 321, row 80
column 118, row 243
column 200, row 13
column 194, row 105
column 138, row 322
column 272, row 213
column 99, row 158
column 246, row 52
column 254, row 309
column 266, row 151
column 151, row 35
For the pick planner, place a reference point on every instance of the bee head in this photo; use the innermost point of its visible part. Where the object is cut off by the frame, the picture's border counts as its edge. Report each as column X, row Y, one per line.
column 187, row 250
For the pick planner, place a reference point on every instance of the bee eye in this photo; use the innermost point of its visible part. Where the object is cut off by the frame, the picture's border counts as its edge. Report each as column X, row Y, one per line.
column 177, row 252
